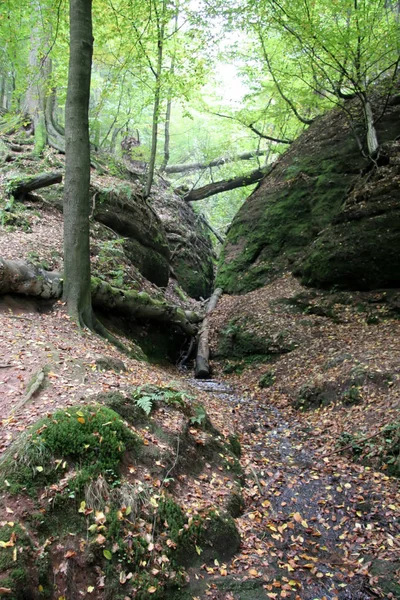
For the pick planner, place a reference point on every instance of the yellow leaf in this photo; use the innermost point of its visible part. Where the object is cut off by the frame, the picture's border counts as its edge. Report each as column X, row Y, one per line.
column 90, row 589
column 39, row 469
column 151, row 589
column 297, row 517
column 40, row 588
column 81, row 420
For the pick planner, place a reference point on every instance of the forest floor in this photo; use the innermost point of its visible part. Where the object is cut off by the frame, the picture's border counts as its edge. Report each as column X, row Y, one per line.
column 316, row 523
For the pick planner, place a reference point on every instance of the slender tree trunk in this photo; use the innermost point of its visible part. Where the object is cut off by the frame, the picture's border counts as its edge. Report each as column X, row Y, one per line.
column 39, row 103
column 77, row 165
column 169, row 103
column 157, row 99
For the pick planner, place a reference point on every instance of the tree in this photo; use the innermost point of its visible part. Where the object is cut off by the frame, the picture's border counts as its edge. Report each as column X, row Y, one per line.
column 77, row 166
column 336, row 50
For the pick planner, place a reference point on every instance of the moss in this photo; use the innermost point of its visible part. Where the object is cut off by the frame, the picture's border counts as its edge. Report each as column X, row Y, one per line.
column 40, row 136
column 361, row 254
column 93, row 437
column 16, row 561
column 238, row 341
column 267, row 379
column 284, row 215
column 386, row 572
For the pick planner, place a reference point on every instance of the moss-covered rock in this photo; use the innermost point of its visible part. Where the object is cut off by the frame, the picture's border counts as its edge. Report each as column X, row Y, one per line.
column 320, row 210
column 129, row 215
column 238, row 341
column 189, row 242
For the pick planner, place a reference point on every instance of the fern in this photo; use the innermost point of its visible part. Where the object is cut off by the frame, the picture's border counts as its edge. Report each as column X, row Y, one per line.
column 145, row 402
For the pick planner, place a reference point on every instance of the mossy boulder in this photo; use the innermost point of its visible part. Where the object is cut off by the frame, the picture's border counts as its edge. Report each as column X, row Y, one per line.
column 238, row 341
column 192, row 257
column 128, row 214
column 322, row 211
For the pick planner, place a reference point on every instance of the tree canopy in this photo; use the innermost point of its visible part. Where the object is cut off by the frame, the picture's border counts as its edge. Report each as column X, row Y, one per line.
column 202, row 82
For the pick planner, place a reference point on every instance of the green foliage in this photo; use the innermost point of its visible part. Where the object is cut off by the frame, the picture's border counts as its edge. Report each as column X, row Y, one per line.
column 92, row 437
column 267, row 379
column 146, row 397
column 200, row 416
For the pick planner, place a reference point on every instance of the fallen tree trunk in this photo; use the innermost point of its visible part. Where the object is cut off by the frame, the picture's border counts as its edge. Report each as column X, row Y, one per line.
column 227, row 184
column 141, row 305
column 19, row 187
column 185, row 167
column 19, row 277
column 202, row 368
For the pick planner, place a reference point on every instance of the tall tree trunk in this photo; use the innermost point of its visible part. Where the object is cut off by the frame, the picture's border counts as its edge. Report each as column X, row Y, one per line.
column 169, row 102
column 157, row 98
column 39, row 103
column 77, row 165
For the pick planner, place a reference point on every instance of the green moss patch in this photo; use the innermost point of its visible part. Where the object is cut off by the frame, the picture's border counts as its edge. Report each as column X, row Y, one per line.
column 91, row 439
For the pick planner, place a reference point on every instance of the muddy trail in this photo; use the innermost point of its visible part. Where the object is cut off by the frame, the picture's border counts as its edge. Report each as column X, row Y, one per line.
column 314, row 527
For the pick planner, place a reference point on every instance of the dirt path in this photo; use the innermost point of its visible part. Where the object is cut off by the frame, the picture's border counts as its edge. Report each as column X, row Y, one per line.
column 314, row 527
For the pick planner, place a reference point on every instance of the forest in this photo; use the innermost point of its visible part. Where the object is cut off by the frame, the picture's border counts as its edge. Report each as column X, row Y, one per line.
column 199, row 299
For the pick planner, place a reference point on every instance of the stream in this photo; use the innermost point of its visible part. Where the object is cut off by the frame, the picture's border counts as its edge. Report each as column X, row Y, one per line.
column 306, row 527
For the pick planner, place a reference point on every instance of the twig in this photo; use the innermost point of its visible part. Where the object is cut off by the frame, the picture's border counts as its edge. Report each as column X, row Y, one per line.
column 370, row 437
column 5, row 366
column 20, row 318
column 256, row 480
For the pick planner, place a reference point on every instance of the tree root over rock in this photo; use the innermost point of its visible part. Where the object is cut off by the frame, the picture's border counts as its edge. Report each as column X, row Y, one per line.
column 20, row 277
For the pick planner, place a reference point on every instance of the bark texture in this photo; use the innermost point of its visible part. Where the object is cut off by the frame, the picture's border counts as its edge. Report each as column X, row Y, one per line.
column 202, row 368
column 77, row 165
column 19, row 277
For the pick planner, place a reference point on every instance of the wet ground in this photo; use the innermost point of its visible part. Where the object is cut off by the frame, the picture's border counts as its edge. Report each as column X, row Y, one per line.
column 313, row 528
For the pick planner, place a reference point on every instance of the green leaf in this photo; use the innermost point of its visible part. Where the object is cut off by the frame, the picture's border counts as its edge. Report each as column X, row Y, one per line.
column 107, row 554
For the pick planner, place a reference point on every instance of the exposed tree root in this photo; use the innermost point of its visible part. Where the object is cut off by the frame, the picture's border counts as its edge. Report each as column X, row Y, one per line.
column 19, row 277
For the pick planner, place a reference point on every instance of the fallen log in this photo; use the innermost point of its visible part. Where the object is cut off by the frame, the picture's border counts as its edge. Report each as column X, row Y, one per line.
column 141, row 305
column 19, row 187
column 19, row 277
column 217, row 162
column 226, row 184
column 202, row 368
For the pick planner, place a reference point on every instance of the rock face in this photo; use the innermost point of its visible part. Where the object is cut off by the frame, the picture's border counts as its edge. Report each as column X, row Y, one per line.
column 160, row 234
column 189, row 243
column 146, row 244
column 323, row 212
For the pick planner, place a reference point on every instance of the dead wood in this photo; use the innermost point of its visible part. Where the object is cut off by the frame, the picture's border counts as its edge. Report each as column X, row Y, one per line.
column 202, row 368
column 19, row 187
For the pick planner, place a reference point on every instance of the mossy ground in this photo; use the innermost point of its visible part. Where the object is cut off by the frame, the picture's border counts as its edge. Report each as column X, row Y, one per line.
column 133, row 530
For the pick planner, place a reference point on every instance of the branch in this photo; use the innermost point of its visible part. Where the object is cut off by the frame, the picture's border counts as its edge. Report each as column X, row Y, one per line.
column 278, row 87
column 262, row 135
column 227, row 184
column 19, row 187
column 183, row 168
